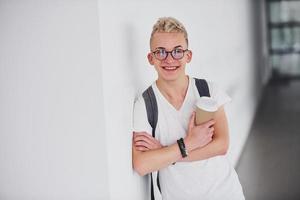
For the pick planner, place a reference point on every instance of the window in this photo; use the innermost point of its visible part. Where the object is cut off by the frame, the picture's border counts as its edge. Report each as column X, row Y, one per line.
column 284, row 34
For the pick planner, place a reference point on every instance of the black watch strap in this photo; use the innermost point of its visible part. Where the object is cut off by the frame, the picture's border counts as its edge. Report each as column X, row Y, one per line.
column 182, row 148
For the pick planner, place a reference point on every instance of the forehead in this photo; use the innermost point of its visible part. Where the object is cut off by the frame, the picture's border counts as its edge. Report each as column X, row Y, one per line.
column 168, row 40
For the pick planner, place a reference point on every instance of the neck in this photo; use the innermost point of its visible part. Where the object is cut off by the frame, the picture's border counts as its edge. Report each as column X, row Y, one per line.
column 174, row 89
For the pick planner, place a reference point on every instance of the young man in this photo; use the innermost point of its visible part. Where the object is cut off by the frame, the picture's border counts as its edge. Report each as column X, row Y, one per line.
column 205, row 172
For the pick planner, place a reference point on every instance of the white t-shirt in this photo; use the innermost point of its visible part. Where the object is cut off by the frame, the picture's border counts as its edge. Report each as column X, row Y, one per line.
column 210, row 179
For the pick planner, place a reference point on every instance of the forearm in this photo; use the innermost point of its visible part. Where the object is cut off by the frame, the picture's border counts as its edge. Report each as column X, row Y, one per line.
column 218, row 146
column 145, row 162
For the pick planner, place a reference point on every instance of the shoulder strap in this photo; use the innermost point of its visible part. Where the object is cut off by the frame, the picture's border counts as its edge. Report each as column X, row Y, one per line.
column 151, row 108
column 152, row 115
column 202, row 87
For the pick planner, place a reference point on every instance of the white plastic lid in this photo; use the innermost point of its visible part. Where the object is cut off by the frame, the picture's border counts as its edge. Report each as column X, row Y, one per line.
column 208, row 104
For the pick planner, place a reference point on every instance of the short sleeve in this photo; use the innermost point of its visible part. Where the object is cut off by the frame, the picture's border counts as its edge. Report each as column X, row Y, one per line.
column 140, row 120
column 218, row 94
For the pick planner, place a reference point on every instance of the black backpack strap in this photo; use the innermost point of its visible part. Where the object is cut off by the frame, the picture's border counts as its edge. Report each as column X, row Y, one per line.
column 202, row 87
column 151, row 108
column 152, row 188
column 152, row 115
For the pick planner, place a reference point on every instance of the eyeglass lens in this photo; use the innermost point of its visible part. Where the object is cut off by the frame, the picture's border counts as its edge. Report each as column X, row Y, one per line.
column 162, row 54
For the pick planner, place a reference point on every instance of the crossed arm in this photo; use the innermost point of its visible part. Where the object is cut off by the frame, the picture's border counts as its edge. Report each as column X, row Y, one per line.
column 202, row 142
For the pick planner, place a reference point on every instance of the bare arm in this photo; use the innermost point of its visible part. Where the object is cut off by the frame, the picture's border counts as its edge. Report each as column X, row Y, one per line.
column 148, row 155
column 218, row 145
column 148, row 161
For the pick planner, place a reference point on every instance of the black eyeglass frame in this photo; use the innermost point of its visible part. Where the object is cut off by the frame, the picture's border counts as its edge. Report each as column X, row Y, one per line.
column 169, row 52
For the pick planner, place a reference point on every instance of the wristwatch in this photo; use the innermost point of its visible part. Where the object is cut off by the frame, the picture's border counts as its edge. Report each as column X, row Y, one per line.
column 182, row 148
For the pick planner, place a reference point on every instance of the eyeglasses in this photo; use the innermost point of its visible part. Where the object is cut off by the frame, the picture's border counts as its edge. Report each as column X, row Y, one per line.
column 162, row 54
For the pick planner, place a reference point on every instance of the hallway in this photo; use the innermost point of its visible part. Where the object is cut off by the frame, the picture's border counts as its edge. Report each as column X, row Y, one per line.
column 269, row 167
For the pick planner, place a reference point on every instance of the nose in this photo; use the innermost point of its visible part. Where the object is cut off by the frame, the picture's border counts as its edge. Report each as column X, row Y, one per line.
column 169, row 58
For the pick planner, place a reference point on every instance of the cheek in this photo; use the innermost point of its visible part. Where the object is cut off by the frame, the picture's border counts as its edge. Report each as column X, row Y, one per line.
column 183, row 62
column 156, row 65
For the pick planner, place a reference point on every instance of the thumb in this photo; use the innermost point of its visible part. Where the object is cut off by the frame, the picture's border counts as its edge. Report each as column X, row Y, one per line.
column 192, row 121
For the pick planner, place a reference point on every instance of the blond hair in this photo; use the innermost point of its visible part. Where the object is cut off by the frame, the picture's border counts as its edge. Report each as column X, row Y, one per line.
column 169, row 25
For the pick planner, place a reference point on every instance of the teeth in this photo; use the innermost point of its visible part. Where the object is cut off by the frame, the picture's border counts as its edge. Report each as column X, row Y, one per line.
column 170, row 68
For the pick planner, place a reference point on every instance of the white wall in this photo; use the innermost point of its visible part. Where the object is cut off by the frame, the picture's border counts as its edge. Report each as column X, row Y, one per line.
column 52, row 130
column 69, row 74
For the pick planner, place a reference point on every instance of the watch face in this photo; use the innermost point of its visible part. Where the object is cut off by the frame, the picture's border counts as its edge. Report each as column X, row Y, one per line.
column 185, row 153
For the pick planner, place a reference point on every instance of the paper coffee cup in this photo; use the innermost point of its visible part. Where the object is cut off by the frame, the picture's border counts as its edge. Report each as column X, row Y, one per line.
column 206, row 109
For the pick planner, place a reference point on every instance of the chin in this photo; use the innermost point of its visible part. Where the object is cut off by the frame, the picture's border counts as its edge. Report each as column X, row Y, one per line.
column 169, row 77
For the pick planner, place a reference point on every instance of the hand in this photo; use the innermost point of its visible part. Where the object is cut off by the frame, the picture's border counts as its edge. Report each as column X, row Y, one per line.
column 144, row 142
column 199, row 136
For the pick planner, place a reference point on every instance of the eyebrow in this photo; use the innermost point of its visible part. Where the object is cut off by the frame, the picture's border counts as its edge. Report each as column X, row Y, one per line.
column 165, row 48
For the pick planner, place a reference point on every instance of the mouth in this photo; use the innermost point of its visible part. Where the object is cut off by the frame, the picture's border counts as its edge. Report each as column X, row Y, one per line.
column 170, row 68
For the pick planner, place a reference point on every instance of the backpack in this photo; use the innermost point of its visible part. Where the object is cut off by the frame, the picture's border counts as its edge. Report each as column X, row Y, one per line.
column 152, row 113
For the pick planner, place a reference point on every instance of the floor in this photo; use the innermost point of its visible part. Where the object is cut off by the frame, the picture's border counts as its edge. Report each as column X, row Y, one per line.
column 269, row 168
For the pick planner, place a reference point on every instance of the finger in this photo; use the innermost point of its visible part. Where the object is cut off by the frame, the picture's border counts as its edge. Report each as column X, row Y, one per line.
column 139, row 137
column 148, row 137
column 144, row 134
column 192, row 121
column 142, row 140
column 151, row 140
column 209, row 123
column 146, row 145
column 141, row 148
column 141, row 133
column 142, row 143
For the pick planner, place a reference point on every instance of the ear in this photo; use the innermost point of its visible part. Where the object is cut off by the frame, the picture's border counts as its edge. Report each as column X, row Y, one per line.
column 189, row 56
column 150, row 58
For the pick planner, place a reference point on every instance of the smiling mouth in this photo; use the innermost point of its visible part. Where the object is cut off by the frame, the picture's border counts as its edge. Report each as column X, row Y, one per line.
column 170, row 68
